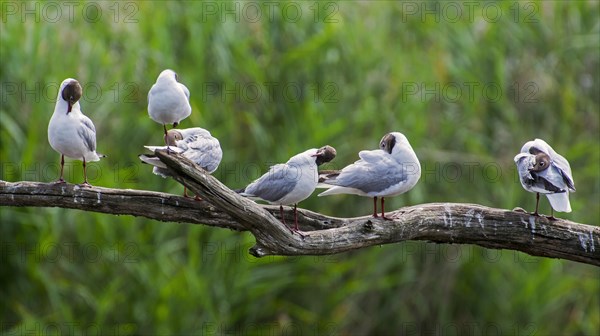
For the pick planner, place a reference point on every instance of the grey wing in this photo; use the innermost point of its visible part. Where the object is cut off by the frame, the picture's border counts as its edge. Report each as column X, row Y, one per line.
column 371, row 156
column 185, row 90
column 371, row 177
column 274, row 185
column 524, row 161
column 203, row 150
column 154, row 92
column 553, row 179
column 87, row 132
column 560, row 163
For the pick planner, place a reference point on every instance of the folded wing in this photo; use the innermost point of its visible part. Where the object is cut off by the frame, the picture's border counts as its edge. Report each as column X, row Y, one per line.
column 272, row 186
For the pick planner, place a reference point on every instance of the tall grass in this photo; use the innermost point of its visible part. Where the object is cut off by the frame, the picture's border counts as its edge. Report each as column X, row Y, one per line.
column 343, row 75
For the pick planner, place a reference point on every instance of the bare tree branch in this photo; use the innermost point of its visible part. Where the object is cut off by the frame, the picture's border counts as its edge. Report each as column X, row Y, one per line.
column 150, row 204
column 450, row 223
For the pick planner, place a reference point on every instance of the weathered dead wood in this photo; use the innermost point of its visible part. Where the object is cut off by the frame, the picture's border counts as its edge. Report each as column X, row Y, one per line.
column 436, row 222
column 150, row 204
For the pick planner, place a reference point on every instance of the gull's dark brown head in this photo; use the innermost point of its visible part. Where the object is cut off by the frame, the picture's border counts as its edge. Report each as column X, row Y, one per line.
column 325, row 154
column 534, row 150
column 71, row 93
column 172, row 137
column 542, row 162
column 387, row 143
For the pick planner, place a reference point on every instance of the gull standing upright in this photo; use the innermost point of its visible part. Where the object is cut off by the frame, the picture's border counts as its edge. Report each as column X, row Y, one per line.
column 70, row 132
column 389, row 171
column 168, row 100
column 542, row 170
column 196, row 144
column 291, row 182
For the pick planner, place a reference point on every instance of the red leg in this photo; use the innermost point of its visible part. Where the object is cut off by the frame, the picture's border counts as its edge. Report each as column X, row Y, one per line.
column 383, row 210
column 85, row 181
column 166, row 143
column 296, row 217
column 375, row 207
column 62, row 167
column 537, row 203
column 551, row 214
column 296, row 228
column 281, row 213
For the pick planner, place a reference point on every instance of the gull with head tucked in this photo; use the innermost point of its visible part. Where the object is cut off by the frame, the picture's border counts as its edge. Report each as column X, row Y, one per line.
column 542, row 170
column 391, row 170
column 70, row 132
column 196, row 144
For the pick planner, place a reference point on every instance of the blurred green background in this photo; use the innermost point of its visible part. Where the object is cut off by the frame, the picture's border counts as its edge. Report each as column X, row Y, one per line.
column 467, row 83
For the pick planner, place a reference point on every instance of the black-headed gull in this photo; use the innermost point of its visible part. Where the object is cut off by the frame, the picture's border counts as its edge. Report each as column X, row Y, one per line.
column 71, row 133
column 196, row 144
column 168, row 100
column 389, row 171
column 291, row 182
column 542, row 170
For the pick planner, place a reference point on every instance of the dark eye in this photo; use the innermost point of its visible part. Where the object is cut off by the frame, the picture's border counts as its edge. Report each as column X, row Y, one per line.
column 383, row 144
column 542, row 163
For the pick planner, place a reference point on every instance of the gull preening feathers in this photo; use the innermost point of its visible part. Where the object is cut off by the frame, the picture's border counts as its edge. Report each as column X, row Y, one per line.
column 70, row 132
column 542, row 170
column 168, row 100
column 391, row 170
column 291, row 182
column 196, row 144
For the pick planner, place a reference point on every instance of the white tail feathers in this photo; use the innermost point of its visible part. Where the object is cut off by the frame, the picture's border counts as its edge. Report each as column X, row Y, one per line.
column 335, row 190
column 152, row 160
column 560, row 201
